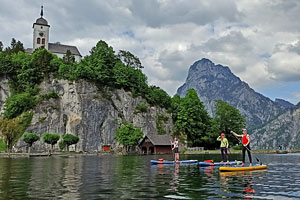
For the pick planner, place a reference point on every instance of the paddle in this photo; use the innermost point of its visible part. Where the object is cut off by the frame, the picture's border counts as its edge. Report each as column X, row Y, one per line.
column 247, row 149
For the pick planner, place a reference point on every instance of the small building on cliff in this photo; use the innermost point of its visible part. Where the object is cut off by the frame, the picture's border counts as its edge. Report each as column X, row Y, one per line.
column 156, row 144
column 41, row 40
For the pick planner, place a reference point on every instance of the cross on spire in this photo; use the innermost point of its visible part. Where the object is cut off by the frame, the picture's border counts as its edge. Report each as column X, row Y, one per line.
column 42, row 13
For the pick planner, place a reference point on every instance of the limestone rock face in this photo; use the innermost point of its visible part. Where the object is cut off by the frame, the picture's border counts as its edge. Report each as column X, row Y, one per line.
column 213, row 82
column 93, row 115
column 4, row 91
column 283, row 130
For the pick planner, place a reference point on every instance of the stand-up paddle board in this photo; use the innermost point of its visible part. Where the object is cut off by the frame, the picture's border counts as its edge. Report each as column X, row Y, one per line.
column 173, row 162
column 232, row 169
column 219, row 163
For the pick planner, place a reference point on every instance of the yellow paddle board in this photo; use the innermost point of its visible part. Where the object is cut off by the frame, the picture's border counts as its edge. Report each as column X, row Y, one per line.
column 231, row 169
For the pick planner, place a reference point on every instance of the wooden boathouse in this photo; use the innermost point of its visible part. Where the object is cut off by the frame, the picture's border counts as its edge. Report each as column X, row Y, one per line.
column 156, row 144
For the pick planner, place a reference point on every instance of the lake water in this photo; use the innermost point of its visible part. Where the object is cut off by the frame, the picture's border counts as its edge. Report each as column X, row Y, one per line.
column 132, row 177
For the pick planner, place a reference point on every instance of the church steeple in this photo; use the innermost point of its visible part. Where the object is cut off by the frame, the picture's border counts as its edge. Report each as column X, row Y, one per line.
column 42, row 12
column 41, row 32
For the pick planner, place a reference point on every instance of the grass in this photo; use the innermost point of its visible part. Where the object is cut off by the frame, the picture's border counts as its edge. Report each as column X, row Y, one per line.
column 2, row 145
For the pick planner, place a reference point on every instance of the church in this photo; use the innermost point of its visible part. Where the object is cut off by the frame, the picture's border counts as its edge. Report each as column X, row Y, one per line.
column 41, row 40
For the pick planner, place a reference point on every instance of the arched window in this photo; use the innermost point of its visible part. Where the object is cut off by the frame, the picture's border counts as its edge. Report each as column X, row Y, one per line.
column 38, row 40
column 43, row 41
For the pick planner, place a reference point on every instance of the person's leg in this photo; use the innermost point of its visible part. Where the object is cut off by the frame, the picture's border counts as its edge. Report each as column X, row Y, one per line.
column 226, row 154
column 222, row 153
column 243, row 151
column 249, row 154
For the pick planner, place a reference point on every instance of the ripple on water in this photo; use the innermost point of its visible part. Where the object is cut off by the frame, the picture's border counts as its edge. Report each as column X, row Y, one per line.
column 132, row 177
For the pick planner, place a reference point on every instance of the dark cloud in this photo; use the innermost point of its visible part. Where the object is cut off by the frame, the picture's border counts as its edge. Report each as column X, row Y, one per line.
column 259, row 40
column 155, row 13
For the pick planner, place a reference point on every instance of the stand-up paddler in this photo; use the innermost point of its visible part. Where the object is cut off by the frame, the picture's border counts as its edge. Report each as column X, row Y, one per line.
column 246, row 145
column 224, row 146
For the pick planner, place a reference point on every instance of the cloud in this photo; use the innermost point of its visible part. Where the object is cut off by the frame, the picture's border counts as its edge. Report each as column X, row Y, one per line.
column 258, row 40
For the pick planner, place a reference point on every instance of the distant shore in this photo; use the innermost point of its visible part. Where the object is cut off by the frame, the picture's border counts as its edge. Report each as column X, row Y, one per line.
column 256, row 151
column 72, row 153
column 46, row 154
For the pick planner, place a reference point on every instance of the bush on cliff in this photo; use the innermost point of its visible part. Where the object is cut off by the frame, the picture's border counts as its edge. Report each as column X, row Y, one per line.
column 16, row 104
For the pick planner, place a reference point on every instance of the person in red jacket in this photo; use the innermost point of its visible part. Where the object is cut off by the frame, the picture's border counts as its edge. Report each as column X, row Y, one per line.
column 246, row 145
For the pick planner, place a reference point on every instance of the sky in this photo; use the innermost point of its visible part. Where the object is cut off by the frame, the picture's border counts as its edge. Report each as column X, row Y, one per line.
column 259, row 40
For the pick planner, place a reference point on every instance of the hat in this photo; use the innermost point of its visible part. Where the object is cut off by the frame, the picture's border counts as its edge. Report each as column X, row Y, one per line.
column 222, row 134
column 244, row 129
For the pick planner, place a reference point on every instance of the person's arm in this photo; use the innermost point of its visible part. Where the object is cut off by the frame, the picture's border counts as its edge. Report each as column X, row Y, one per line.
column 227, row 143
column 236, row 135
column 172, row 144
column 219, row 138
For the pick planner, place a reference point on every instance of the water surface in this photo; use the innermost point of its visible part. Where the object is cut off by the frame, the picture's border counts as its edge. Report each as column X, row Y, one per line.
column 132, row 177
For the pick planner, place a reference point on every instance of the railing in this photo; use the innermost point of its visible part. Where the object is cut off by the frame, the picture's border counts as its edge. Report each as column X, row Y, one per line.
column 195, row 148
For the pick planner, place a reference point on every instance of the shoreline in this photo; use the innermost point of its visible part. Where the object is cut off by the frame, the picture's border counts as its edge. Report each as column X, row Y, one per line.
column 72, row 154
column 264, row 151
column 55, row 154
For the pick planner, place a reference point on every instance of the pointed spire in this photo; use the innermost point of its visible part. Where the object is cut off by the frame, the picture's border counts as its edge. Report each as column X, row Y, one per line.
column 42, row 13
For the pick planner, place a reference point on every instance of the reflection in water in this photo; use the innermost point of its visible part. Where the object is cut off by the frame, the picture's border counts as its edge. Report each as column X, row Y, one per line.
column 244, row 179
column 133, row 177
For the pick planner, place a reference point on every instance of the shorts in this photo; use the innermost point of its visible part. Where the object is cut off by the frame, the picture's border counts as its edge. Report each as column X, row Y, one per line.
column 176, row 150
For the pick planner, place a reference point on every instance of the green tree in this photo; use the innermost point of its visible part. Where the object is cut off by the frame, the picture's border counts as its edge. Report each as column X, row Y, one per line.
column 1, row 46
column 209, row 139
column 30, row 138
column 129, row 59
column 130, row 79
column 68, row 58
column 13, row 129
column 15, row 47
column 229, row 118
column 41, row 60
column 99, row 64
column 192, row 119
column 128, row 135
column 51, row 138
column 157, row 96
column 17, row 104
column 70, row 139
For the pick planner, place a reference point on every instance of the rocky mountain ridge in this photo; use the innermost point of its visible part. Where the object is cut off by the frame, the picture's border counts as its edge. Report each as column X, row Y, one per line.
column 284, row 103
column 283, row 130
column 214, row 82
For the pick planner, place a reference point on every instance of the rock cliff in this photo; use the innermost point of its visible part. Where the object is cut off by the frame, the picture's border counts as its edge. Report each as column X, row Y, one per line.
column 214, row 82
column 91, row 113
column 283, row 130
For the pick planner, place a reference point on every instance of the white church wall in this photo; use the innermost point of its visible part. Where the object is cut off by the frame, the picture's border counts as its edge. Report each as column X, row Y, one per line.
column 77, row 58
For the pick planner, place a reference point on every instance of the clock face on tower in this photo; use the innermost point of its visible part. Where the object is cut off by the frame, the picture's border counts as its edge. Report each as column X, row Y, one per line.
column 41, row 34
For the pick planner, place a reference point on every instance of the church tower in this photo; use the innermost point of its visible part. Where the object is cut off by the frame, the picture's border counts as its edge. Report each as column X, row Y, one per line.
column 41, row 33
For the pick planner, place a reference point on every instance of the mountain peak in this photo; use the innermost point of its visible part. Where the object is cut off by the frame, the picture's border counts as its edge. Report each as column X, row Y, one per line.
column 213, row 82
